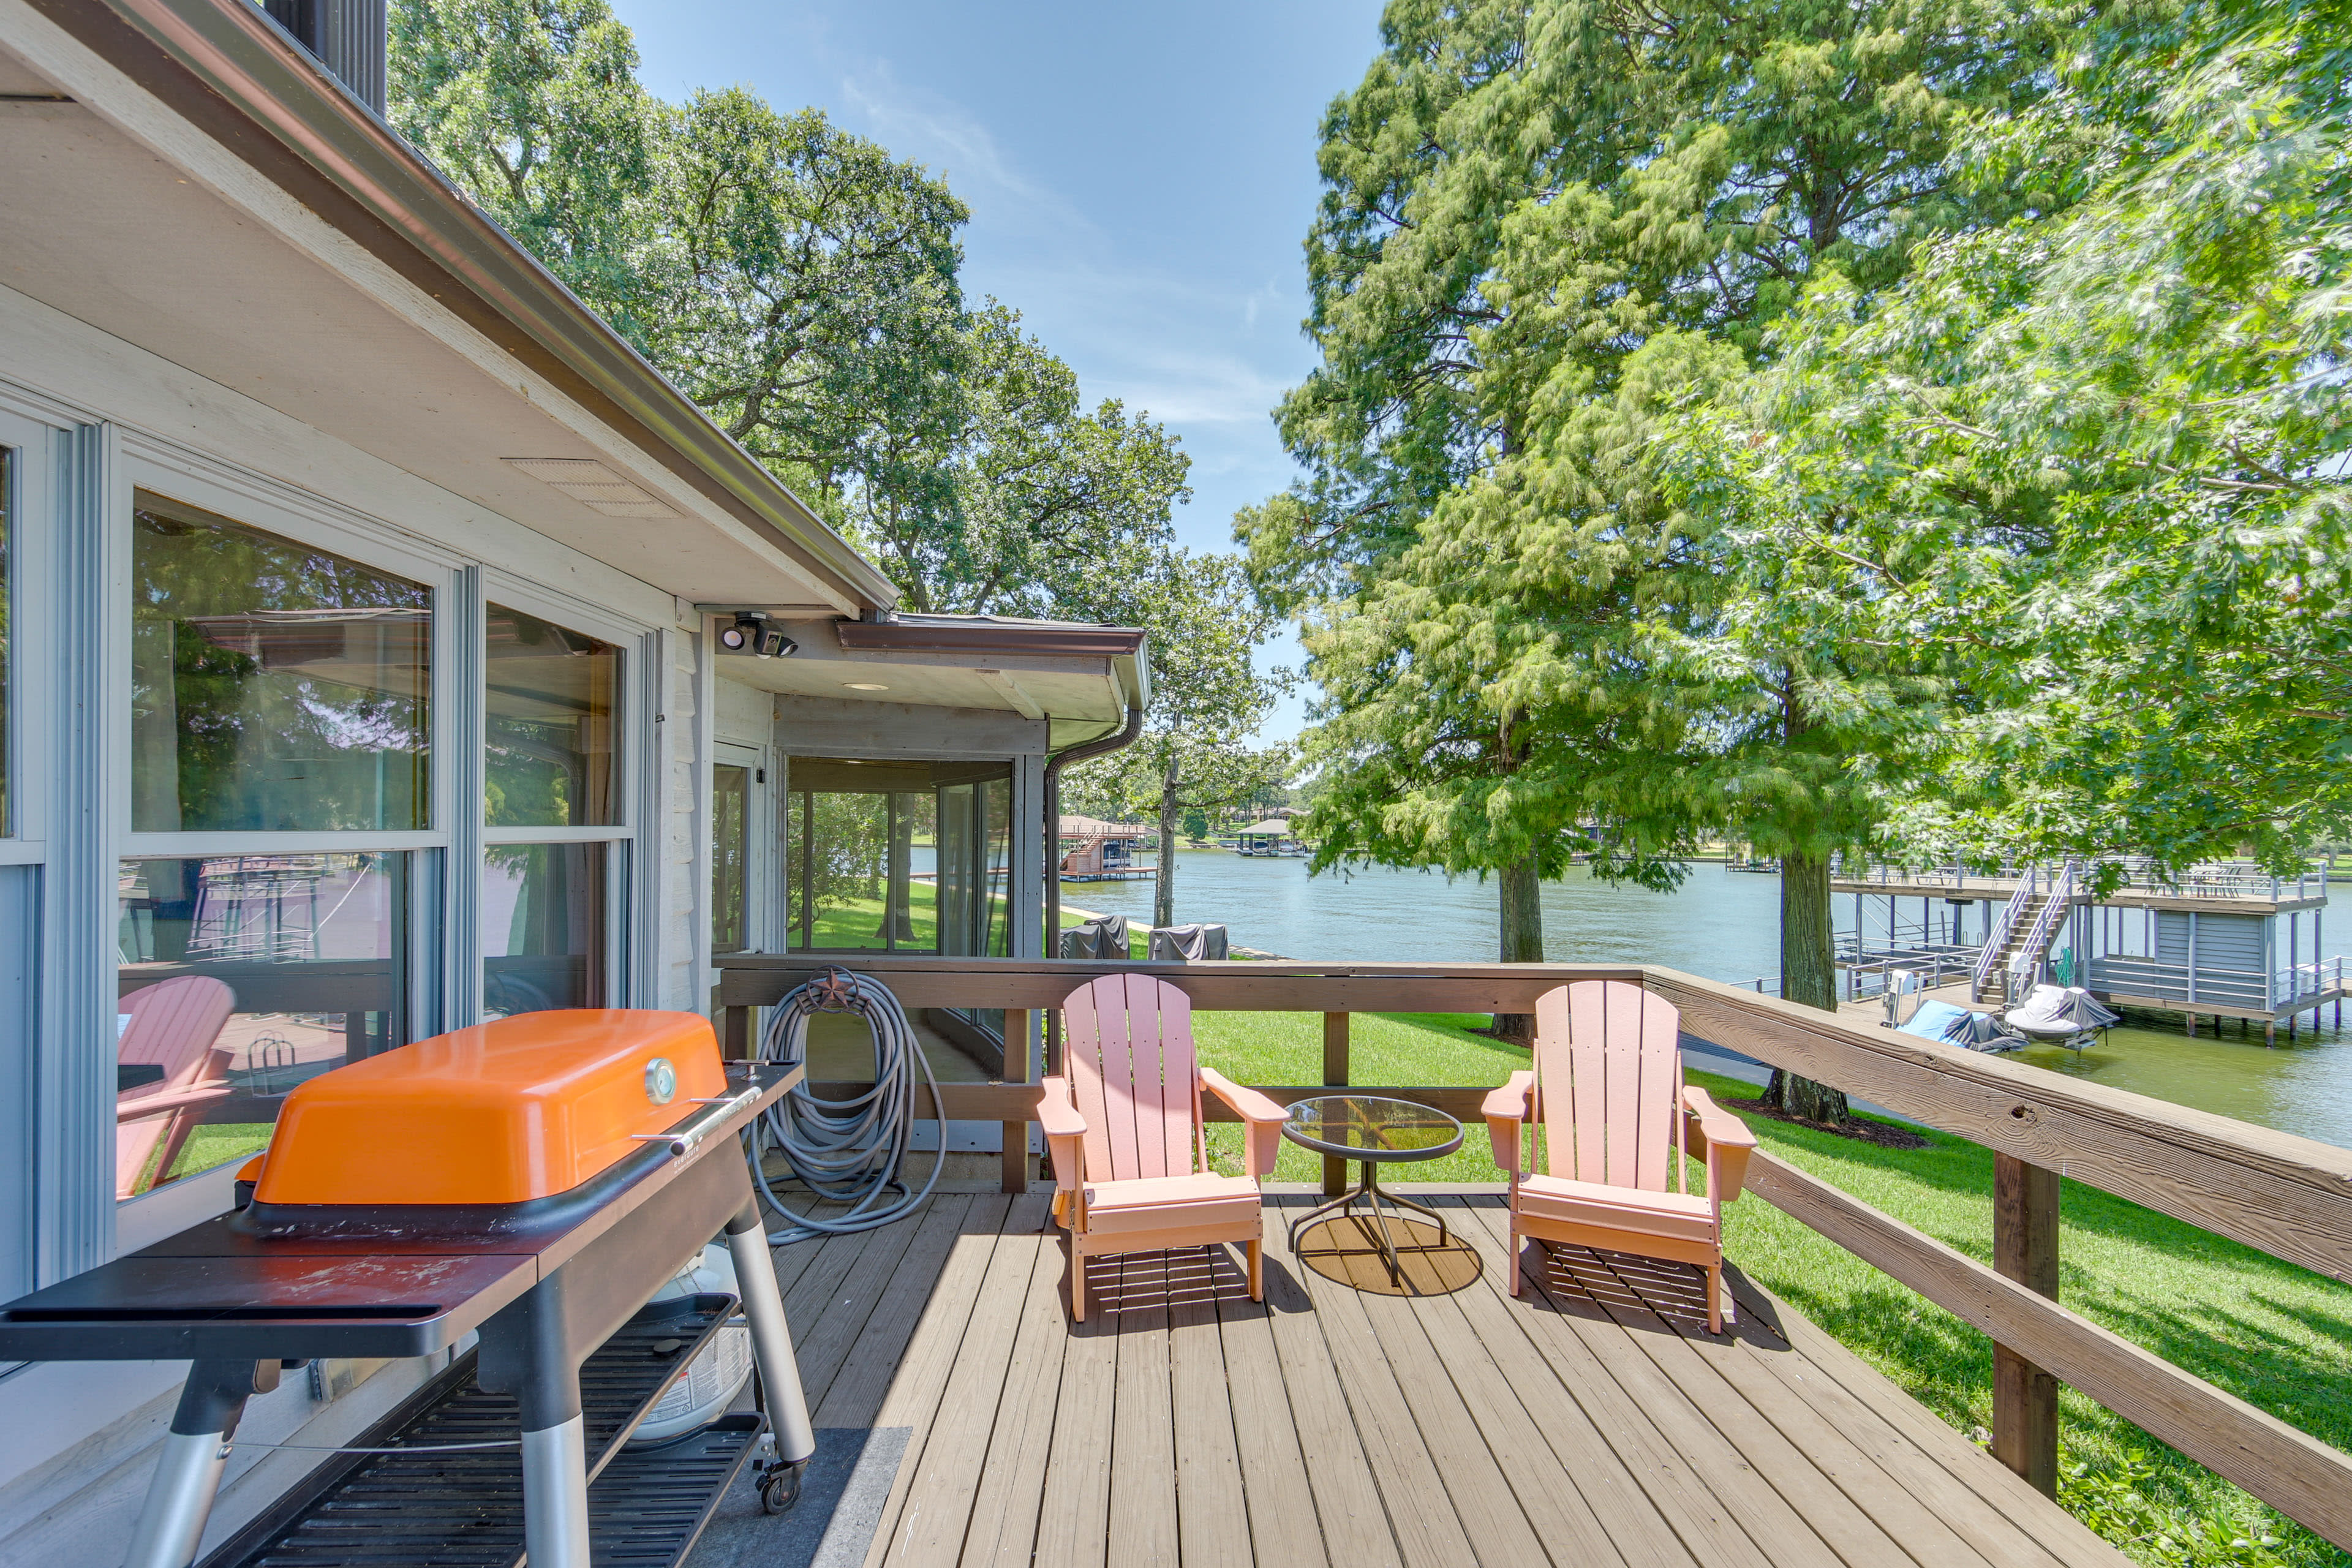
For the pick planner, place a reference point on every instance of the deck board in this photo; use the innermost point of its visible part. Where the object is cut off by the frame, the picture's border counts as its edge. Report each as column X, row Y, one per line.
column 1212, row 1516
column 1003, row 1528
column 1593, row 1420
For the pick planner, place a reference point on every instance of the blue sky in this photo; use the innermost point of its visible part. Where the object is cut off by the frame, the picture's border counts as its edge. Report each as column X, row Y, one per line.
column 1139, row 178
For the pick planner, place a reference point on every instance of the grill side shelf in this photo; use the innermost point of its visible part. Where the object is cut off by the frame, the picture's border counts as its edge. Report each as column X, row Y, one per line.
column 464, row 1510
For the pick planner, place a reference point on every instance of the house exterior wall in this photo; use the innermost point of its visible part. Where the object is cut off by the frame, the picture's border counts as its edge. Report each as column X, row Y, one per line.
column 105, row 416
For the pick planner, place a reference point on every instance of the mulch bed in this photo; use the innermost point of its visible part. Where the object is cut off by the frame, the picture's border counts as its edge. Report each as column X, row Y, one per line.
column 1861, row 1130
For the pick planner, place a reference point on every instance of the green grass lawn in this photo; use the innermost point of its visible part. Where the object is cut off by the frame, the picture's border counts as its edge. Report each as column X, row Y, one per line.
column 2277, row 1336
column 857, row 921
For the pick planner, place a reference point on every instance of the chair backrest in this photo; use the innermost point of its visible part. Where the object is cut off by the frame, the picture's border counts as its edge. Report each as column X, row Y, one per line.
column 174, row 1024
column 1609, row 1074
column 1127, row 1052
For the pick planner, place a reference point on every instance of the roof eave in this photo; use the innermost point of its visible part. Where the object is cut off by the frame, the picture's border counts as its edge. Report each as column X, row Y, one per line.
column 227, row 69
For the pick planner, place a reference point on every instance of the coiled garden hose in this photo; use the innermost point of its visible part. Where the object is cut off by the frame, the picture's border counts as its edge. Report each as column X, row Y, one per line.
column 845, row 1150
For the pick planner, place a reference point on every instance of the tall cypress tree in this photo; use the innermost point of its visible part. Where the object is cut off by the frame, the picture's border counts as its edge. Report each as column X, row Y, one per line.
column 1545, row 224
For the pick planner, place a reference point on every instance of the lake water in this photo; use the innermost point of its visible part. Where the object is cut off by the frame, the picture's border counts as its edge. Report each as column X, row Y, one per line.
column 1720, row 923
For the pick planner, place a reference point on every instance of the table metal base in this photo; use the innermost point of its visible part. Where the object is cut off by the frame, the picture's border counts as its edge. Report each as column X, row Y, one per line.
column 1369, row 1192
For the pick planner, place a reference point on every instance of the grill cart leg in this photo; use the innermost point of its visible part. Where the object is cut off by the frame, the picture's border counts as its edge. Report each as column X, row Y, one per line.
column 771, row 1348
column 527, row 1352
column 195, row 1451
column 554, row 1455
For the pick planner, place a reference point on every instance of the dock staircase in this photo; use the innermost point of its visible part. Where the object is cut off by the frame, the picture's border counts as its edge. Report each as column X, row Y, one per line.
column 2023, row 931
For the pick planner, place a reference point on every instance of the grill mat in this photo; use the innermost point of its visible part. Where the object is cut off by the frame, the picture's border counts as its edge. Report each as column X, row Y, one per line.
column 646, row 1506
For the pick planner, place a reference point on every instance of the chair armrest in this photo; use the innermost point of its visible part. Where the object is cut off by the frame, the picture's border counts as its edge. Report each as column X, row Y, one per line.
column 1055, row 1110
column 1247, row 1103
column 1723, row 1138
column 1511, row 1101
column 147, row 1105
column 1507, row 1110
column 1065, row 1133
column 1261, row 1141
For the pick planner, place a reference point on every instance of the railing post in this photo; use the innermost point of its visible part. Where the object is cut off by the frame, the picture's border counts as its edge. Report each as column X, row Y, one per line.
column 2025, row 1248
column 1019, row 1066
column 1335, row 1074
column 735, row 1044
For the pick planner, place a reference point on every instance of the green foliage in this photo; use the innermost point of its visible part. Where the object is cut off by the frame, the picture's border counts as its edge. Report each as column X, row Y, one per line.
column 1549, row 227
column 2123, row 1502
column 1058, row 510
column 2090, row 465
column 534, row 107
column 1685, row 165
column 800, row 284
column 1207, row 702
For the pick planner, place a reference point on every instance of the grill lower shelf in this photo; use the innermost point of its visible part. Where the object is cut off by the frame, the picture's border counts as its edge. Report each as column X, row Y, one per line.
column 646, row 1506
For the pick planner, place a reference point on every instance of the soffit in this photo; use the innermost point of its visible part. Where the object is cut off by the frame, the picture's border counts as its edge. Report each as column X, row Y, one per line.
column 97, row 225
column 1090, row 688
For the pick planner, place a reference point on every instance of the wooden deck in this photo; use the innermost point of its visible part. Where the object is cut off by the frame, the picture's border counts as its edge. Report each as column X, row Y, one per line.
column 1593, row 1421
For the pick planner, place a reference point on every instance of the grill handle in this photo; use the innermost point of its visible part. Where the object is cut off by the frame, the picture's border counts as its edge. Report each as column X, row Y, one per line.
column 715, row 1114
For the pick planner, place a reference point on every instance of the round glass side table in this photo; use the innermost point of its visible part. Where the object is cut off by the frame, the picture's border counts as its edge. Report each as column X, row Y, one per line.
column 1373, row 1131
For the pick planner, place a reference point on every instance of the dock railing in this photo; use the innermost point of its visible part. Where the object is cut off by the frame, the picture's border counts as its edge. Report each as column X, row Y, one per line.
column 2288, row 1196
column 2216, row 879
column 1997, row 933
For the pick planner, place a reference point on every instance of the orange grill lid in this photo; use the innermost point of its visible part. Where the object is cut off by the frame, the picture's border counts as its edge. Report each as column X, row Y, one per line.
column 521, row 1108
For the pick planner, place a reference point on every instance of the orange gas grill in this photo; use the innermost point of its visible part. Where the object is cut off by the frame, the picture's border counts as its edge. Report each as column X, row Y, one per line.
column 536, row 1179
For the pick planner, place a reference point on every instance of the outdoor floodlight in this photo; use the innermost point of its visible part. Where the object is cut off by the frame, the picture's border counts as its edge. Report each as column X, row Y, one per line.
column 751, row 633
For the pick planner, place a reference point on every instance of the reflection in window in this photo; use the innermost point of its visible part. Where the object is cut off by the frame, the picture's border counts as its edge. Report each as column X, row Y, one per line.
column 274, row 685
column 731, row 854
column 549, row 725
column 974, row 820
column 242, row 975
column 543, row 911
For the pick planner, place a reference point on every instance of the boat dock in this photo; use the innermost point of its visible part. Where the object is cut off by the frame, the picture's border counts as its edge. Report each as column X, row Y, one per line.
column 2225, row 940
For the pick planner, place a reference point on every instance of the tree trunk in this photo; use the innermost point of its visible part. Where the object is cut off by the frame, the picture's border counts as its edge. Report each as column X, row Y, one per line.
column 1163, row 893
column 1522, row 935
column 1807, row 976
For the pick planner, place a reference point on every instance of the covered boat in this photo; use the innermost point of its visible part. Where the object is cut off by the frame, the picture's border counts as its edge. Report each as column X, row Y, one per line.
column 1957, row 1025
column 2066, row 1014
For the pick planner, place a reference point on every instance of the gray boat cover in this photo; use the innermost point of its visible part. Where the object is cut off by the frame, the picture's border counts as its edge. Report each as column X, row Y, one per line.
column 1957, row 1025
column 2062, row 1010
column 1105, row 936
column 1188, row 945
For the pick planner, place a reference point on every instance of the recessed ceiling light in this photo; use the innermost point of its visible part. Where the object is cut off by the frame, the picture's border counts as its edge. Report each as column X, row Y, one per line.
column 865, row 686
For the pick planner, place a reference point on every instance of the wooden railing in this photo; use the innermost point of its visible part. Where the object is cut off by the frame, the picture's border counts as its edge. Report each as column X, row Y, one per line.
column 2288, row 1196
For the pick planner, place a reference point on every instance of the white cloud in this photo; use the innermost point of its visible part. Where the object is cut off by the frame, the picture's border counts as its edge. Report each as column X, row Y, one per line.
column 947, row 137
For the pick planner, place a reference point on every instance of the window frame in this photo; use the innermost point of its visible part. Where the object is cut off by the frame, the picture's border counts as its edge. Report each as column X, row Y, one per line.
column 445, row 939
column 762, row 846
column 149, row 468
column 26, row 703
column 630, row 909
column 39, row 1207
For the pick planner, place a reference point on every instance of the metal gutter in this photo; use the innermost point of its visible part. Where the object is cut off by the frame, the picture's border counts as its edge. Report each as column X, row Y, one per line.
column 903, row 634
column 1053, row 792
column 227, row 69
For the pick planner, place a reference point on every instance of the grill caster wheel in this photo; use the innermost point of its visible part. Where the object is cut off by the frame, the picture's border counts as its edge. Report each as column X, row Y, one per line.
column 781, row 1487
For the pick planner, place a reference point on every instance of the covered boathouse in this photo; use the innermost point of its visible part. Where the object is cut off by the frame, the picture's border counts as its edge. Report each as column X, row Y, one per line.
column 362, row 680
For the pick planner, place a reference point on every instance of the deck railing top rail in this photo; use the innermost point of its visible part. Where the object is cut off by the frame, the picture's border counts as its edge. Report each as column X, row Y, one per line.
column 2287, row 1195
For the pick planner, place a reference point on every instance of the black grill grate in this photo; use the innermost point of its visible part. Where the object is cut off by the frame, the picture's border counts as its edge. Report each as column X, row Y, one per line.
column 646, row 1506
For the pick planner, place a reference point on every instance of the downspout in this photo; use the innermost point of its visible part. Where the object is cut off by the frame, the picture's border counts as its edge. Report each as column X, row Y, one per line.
column 1109, row 744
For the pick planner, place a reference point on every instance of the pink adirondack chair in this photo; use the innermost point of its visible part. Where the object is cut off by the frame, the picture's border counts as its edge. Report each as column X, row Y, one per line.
column 1123, row 1125
column 174, row 1024
column 1608, row 1088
